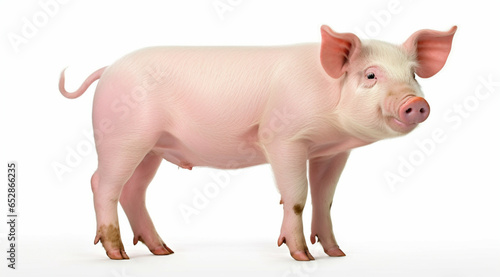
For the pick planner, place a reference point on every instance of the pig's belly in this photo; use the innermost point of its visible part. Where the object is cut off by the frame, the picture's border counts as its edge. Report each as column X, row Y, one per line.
column 190, row 151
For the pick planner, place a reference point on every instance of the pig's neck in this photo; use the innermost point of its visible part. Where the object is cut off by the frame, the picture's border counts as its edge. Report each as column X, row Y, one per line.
column 334, row 139
column 335, row 146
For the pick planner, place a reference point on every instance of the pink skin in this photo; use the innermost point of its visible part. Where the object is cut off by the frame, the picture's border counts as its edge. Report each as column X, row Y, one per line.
column 234, row 107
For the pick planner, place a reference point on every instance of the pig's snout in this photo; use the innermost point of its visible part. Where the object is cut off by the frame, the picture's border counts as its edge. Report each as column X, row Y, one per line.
column 414, row 110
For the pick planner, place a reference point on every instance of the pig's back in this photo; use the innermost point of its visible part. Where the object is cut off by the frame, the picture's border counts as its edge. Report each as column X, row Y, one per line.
column 208, row 85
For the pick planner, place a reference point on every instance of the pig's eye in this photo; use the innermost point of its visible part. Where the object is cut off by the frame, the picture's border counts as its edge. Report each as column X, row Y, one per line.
column 370, row 76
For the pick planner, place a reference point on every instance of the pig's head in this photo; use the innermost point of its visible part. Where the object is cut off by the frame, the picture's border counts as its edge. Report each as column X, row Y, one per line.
column 380, row 96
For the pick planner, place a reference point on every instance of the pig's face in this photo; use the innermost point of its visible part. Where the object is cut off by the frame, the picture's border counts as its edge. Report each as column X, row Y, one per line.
column 380, row 97
column 377, row 91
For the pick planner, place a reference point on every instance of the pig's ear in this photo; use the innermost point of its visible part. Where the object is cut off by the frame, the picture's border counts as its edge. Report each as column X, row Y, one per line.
column 431, row 49
column 337, row 50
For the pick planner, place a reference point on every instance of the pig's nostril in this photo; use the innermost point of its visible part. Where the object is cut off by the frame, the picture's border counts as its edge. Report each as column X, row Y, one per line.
column 422, row 110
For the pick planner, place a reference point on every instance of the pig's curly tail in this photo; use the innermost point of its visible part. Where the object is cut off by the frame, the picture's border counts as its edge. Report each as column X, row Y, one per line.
column 92, row 78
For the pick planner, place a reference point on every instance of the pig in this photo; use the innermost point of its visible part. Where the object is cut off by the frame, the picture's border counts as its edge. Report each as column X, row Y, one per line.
column 234, row 107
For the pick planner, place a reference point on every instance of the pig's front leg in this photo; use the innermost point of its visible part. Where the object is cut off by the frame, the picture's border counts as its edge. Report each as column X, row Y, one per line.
column 324, row 173
column 289, row 163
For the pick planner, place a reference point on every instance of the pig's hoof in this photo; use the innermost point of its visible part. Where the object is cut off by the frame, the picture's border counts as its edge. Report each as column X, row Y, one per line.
column 157, row 248
column 109, row 236
column 117, row 255
column 302, row 255
column 298, row 255
column 162, row 250
column 334, row 252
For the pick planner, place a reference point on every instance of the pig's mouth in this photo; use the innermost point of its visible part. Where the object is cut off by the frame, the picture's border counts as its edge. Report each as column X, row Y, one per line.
column 399, row 126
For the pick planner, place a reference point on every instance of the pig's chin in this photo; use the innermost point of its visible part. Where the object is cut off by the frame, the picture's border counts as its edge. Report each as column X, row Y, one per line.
column 400, row 127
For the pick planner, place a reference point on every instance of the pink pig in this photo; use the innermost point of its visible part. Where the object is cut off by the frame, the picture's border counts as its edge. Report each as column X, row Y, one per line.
column 234, row 107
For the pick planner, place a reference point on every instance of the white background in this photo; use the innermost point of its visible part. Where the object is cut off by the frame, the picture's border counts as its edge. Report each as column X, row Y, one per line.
column 441, row 219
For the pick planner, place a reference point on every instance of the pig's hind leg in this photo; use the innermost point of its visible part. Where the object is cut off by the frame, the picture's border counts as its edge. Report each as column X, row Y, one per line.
column 324, row 173
column 116, row 164
column 133, row 201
